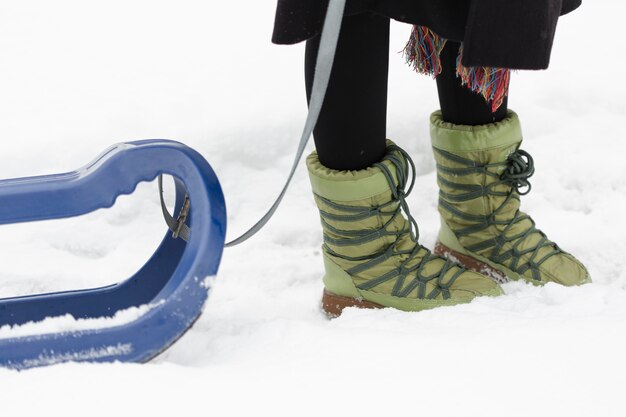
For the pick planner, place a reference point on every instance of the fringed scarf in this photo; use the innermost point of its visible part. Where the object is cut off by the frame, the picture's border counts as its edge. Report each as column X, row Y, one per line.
column 423, row 50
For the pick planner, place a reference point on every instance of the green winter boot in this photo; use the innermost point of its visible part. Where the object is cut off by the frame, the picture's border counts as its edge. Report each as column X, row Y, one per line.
column 481, row 174
column 371, row 255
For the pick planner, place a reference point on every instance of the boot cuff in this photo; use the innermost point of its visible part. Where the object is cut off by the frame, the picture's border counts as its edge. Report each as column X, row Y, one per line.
column 463, row 138
column 347, row 185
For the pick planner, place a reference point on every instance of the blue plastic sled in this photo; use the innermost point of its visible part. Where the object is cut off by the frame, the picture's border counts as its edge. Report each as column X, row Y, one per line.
column 172, row 281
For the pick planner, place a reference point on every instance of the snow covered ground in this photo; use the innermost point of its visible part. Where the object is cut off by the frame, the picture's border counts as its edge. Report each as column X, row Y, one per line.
column 78, row 76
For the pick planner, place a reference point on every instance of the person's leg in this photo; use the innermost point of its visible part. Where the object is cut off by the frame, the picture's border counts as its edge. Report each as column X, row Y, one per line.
column 460, row 105
column 372, row 257
column 481, row 174
column 351, row 131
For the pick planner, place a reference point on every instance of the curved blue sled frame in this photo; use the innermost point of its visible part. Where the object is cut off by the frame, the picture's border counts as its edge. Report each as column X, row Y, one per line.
column 173, row 281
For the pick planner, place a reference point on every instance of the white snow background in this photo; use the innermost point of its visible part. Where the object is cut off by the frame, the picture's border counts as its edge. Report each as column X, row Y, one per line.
column 77, row 76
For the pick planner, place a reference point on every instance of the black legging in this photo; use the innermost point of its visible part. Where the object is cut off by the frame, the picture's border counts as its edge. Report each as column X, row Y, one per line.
column 351, row 131
column 460, row 105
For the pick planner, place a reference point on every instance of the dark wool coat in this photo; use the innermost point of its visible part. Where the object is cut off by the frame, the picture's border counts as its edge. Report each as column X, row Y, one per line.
column 515, row 34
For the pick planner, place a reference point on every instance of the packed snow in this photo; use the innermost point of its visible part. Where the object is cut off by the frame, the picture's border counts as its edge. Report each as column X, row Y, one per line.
column 77, row 76
column 67, row 323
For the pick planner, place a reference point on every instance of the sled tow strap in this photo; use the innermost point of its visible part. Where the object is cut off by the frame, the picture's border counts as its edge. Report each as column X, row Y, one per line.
column 323, row 67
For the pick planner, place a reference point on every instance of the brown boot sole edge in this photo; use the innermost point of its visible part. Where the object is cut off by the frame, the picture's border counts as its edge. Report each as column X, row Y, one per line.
column 470, row 263
column 333, row 304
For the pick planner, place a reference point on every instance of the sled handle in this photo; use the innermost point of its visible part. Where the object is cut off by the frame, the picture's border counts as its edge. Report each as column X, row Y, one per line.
column 115, row 172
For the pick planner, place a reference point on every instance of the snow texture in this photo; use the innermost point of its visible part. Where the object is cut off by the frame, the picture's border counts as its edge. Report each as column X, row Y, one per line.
column 68, row 323
column 77, row 76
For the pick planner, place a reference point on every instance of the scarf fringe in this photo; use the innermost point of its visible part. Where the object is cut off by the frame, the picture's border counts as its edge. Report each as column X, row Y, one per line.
column 423, row 50
column 491, row 83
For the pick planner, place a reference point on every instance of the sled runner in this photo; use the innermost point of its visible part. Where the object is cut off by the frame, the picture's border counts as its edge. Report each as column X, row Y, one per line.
column 173, row 283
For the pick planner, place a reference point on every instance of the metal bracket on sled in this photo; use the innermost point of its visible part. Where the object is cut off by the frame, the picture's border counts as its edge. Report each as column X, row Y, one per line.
column 172, row 283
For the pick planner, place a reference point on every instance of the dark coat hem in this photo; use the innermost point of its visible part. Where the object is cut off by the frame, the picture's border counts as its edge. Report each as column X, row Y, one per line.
column 515, row 34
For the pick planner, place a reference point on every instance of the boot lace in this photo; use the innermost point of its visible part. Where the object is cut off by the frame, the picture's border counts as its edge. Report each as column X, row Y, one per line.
column 515, row 175
column 411, row 273
column 519, row 167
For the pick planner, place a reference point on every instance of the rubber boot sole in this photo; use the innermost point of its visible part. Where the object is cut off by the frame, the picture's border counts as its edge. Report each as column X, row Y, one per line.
column 470, row 263
column 333, row 304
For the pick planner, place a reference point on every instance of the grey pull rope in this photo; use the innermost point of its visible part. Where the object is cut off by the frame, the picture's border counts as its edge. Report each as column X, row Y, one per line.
column 323, row 67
